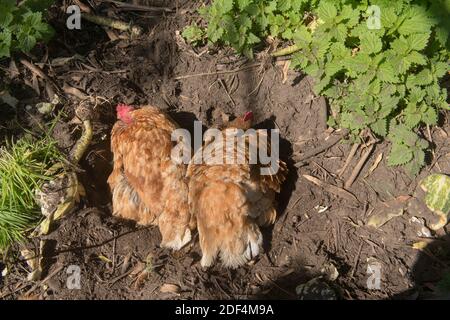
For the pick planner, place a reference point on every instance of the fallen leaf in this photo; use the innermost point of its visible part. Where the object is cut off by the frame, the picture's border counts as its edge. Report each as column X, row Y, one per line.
column 374, row 165
column 437, row 187
column 387, row 211
column 170, row 288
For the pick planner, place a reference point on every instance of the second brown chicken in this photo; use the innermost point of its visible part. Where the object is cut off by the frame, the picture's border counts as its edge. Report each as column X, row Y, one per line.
column 231, row 201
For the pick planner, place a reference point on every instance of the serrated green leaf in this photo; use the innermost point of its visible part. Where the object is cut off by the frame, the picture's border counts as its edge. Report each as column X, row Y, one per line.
column 252, row 38
column 440, row 69
column 429, row 115
column 400, row 46
column 358, row 64
column 326, row 11
column 388, row 17
column 417, row 21
column 386, row 73
column 319, row 86
column 380, row 127
column 424, row 77
column 417, row 162
column 412, row 119
column 418, row 41
column 302, row 37
column 223, row 6
column 5, row 43
column 399, row 155
column 417, row 58
column 370, row 43
column 243, row 4
column 416, row 95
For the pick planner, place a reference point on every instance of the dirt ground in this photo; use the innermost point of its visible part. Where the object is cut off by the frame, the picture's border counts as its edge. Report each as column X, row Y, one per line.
column 315, row 227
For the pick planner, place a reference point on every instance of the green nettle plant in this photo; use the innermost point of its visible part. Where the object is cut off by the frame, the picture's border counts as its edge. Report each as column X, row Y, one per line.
column 22, row 25
column 385, row 78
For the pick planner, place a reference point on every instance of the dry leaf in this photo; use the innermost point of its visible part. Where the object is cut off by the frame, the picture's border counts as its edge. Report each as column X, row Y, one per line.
column 374, row 165
column 387, row 211
column 170, row 288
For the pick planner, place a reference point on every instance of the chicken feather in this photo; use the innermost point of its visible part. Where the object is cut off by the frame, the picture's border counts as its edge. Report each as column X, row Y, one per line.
column 231, row 201
column 147, row 186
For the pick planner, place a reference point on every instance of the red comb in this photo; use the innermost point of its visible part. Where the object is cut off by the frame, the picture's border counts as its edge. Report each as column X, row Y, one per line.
column 248, row 116
column 122, row 106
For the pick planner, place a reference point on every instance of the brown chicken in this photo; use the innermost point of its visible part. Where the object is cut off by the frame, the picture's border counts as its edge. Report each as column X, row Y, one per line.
column 147, row 186
column 231, row 201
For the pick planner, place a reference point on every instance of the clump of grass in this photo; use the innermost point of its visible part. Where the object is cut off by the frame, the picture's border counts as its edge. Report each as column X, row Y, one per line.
column 23, row 170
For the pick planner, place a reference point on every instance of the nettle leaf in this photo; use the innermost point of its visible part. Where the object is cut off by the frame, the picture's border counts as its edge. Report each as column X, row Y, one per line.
column 302, row 37
column 299, row 61
column 442, row 35
column 5, row 43
column 402, row 134
column 440, row 69
column 26, row 41
column 429, row 115
column 358, row 64
column 379, row 127
column 296, row 5
column 284, row 5
column 388, row 17
column 350, row 16
column 417, row 21
column 326, row 11
column 416, row 95
column 7, row 7
column 400, row 46
column 252, row 38
column 319, row 86
column 386, row 73
column 243, row 4
column 424, row 77
column 417, row 58
column 418, row 41
column 287, row 34
column 400, row 154
column 370, row 43
column 332, row 67
column 417, row 162
column 388, row 104
column 339, row 50
column 223, row 6
column 412, row 118
column 193, row 34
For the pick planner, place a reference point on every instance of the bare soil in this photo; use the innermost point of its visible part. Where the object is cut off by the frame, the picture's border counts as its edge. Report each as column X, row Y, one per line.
column 314, row 227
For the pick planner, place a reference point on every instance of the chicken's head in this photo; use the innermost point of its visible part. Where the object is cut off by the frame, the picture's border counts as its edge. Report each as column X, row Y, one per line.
column 243, row 122
column 124, row 113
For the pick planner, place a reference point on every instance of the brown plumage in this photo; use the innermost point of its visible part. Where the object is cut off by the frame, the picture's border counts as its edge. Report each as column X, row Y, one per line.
column 147, row 186
column 231, row 201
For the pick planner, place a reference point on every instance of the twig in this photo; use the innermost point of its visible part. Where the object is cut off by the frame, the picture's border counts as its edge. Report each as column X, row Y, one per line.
column 226, row 91
column 129, row 6
column 349, row 159
column 332, row 189
column 359, row 166
column 39, row 72
column 355, row 264
column 254, row 65
column 328, row 144
column 37, row 285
